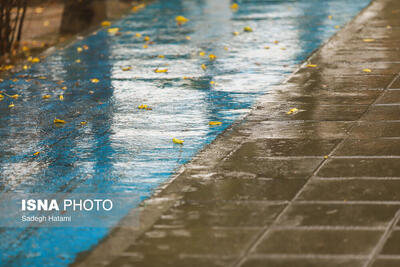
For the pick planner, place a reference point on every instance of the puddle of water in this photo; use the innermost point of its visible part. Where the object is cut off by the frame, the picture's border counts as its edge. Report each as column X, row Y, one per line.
column 122, row 148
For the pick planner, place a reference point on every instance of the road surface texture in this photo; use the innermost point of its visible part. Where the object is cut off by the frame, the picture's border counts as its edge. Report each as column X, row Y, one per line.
column 316, row 187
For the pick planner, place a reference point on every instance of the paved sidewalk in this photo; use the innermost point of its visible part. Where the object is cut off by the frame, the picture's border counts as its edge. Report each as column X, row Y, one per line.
column 319, row 187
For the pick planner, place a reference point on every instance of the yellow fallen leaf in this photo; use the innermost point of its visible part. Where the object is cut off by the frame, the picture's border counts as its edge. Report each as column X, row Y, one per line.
column 56, row 121
column 188, row 38
column 64, row 88
column 388, row 27
column 203, row 66
column 293, row 110
column 36, row 153
column 161, row 56
column 79, row 49
column 147, row 38
column 78, row 61
column 61, row 97
column 214, row 123
column 11, row 105
column 113, row 30
column 181, row 19
column 212, row 57
column 283, row 48
column 266, row 47
column 161, row 70
column 312, row 65
column 106, row 23
column 126, row 68
column 26, row 67
column 138, row 35
column 46, row 23
column 276, row 42
column 369, row 40
column 14, row 96
column 212, row 82
column 94, row 80
column 235, row 33
column 177, row 141
column 85, row 47
column 234, row 6
column 226, row 48
column 202, row 54
column 42, row 77
column 35, row 60
column 25, row 48
column 46, row 96
column 325, row 157
column 367, row 70
column 247, row 29
column 330, row 17
column 15, row 80
column 337, row 27
column 145, row 46
column 1, row 97
column 83, row 123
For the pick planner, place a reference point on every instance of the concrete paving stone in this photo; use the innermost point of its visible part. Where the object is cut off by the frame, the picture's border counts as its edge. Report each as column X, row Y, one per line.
column 352, row 190
column 361, row 167
column 220, row 214
column 316, row 242
column 391, row 246
column 198, row 241
column 375, row 129
column 370, row 215
column 386, row 263
column 286, row 147
column 302, row 262
column 169, row 261
column 323, row 97
column 369, row 147
column 313, row 111
column 396, row 84
column 390, row 97
column 298, row 130
column 245, row 189
column 382, row 113
column 249, row 161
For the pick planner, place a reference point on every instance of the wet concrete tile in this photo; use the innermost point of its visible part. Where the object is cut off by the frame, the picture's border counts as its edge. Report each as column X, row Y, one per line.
column 386, row 263
column 390, row 97
column 315, row 111
column 380, row 113
column 205, row 240
column 291, row 241
column 249, row 161
column 245, row 189
column 286, row 147
column 320, row 97
column 352, row 190
column 369, row 147
column 301, row 262
column 297, row 129
column 392, row 246
column 220, row 214
column 166, row 260
column 338, row 215
column 371, row 129
column 396, row 84
column 361, row 167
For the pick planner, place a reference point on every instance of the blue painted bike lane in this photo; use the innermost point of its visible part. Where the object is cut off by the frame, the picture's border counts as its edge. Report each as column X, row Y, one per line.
column 125, row 149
